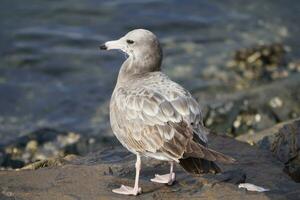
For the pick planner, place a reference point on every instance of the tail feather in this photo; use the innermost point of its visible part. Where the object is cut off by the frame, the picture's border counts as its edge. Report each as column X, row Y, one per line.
column 199, row 151
column 199, row 166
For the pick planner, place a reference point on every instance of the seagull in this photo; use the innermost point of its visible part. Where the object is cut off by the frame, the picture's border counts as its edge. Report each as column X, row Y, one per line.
column 155, row 117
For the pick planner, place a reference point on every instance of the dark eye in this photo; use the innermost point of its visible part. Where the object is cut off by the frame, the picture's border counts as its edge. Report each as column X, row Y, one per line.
column 130, row 41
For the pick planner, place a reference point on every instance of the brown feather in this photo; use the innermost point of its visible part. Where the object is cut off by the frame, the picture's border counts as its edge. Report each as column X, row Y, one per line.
column 199, row 151
column 199, row 166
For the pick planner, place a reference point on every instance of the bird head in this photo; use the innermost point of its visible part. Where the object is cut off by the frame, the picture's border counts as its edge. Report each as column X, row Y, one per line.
column 140, row 45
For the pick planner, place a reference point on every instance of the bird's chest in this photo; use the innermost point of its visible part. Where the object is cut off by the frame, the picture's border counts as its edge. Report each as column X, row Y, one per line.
column 118, row 120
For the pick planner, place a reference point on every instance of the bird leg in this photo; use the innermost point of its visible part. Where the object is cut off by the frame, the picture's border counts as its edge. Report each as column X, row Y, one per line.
column 166, row 178
column 132, row 190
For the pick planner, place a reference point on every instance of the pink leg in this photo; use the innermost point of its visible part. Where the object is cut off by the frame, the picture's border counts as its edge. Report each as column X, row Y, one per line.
column 136, row 189
column 166, row 178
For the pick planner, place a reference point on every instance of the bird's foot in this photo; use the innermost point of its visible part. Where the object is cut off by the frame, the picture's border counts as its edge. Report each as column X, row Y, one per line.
column 128, row 190
column 166, row 178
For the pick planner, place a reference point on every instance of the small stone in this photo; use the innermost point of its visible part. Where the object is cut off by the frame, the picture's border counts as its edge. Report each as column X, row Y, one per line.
column 91, row 140
column 236, row 123
column 71, row 138
column 253, row 57
column 257, row 117
column 40, row 157
column 32, row 146
column 26, row 157
column 292, row 66
column 209, row 121
column 70, row 157
column 276, row 102
column 283, row 31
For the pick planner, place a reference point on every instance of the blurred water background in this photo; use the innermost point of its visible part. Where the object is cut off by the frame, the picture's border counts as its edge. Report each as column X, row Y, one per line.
column 52, row 75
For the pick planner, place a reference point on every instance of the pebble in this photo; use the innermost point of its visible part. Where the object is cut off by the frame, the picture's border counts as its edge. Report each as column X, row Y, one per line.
column 276, row 102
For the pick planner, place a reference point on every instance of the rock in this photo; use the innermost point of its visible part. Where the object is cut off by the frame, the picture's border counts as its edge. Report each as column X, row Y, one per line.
column 257, row 89
column 95, row 175
column 2, row 157
column 284, row 141
column 286, row 148
column 39, row 145
column 266, row 134
column 263, row 62
column 32, row 146
column 7, row 162
column 52, row 162
column 252, row 110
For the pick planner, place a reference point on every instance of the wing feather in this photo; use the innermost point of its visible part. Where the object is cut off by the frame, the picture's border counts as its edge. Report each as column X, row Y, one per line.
column 181, row 106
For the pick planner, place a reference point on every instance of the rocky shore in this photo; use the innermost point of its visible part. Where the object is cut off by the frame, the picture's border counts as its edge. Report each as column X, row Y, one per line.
column 95, row 175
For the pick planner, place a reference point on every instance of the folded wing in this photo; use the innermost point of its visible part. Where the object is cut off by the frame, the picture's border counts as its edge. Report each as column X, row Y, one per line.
column 163, row 121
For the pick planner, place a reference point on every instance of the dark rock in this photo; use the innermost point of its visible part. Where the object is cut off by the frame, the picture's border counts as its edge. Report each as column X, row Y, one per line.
column 2, row 157
column 95, row 175
column 12, row 163
column 284, row 141
column 232, row 176
column 4, row 197
column 286, row 148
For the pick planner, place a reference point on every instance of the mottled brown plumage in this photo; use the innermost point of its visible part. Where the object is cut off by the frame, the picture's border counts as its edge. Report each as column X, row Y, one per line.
column 155, row 117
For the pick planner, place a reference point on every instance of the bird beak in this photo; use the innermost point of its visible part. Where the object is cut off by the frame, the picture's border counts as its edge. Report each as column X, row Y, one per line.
column 115, row 44
column 103, row 47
